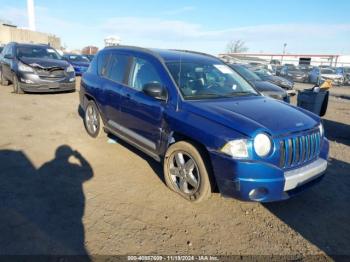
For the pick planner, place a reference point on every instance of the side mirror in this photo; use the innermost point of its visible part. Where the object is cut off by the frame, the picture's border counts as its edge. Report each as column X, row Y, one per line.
column 155, row 90
column 8, row 56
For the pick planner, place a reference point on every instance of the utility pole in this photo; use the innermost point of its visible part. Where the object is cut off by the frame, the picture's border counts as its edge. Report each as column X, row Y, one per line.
column 284, row 52
column 31, row 14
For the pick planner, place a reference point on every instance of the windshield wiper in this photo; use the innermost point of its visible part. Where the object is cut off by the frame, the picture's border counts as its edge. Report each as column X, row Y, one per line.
column 241, row 93
column 212, row 95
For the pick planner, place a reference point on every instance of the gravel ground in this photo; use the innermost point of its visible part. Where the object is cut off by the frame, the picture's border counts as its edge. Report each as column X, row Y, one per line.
column 63, row 192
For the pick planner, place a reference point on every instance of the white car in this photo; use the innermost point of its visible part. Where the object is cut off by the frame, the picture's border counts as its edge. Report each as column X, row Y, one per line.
column 317, row 75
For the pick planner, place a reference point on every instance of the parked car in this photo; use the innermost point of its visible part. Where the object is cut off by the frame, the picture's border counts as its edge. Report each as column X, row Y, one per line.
column 278, row 70
column 295, row 73
column 345, row 73
column 80, row 63
column 277, row 80
column 90, row 57
column 205, row 124
column 35, row 68
column 1, row 48
column 264, row 87
column 319, row 74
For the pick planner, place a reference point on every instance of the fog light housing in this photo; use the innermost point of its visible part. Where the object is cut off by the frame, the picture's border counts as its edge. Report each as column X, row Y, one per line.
column 258, row 194
column 27, row 81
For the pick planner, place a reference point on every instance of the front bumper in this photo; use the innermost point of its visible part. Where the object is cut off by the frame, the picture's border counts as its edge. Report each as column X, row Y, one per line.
column 51, row 87
column 264, row 182
column 34, row 84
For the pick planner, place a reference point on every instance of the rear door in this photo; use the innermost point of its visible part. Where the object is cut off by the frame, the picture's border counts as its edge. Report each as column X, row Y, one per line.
column 113, row 69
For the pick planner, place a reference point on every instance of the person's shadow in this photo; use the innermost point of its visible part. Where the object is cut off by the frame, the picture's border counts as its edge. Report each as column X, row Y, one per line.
column 41, row 210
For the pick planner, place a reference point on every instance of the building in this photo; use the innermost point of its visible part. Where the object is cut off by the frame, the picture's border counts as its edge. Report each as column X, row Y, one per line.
column 89, row 50
column 296, row 59
column 11, row 33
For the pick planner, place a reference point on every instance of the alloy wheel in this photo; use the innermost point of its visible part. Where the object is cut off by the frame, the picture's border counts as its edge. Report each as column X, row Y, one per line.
column 184, row 172
column 91, row 119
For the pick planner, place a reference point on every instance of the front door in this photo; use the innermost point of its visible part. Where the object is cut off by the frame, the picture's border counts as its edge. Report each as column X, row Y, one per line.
column 141, row 116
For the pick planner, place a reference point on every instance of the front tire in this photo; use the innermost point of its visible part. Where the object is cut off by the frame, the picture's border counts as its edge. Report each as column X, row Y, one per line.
column 3, row 81
column 92, row 120
column 186, row 172
column 16, row 86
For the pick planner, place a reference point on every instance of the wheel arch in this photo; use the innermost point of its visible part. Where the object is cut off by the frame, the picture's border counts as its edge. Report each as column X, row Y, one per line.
column 87, row 98
column 178, row 136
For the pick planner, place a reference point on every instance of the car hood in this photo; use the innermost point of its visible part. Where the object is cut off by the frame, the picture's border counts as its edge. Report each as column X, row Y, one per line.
column 280, row 81
column 267, row 86
column 85, row 64
column 297, row 72
column 247, row 115
column 44, row 63
column 277, row 79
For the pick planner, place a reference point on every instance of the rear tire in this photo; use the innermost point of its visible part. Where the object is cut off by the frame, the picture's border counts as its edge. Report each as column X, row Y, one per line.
column 92, row 120
column 186, row 172
column 16, row 86
column 3, row 81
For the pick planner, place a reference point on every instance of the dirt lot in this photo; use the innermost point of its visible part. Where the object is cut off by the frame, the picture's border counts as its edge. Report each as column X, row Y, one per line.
column 63, row 192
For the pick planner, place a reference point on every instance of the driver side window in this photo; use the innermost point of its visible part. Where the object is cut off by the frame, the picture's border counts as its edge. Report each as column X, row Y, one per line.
column 143, row 73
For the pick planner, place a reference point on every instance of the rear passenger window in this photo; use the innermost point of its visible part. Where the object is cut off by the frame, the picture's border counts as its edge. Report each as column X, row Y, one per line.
column 116, row 67
column 93, row 65
column 102, row 63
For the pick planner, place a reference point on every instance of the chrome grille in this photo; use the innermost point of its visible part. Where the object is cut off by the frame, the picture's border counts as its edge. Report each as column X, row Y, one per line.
column 299, row 149
column 50, row 73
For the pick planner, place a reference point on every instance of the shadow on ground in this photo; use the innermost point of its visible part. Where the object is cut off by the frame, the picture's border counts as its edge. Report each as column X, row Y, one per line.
column 156, row 166
column 42, row 209
column 337, row 132
column 322, row 214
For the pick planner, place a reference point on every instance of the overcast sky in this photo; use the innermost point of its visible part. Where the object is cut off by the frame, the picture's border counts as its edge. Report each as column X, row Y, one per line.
column 316, row 26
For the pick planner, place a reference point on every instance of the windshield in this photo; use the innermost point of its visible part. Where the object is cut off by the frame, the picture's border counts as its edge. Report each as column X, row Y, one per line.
column 37, row 52
column 201, row 80
column 77, row 58
column 246, row 73
column 327, row 71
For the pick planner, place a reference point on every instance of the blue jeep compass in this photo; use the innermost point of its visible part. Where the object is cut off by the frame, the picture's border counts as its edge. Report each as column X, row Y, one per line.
column 207, row 125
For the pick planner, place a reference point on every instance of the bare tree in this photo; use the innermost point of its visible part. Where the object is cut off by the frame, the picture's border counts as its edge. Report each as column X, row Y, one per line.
column 236, row 46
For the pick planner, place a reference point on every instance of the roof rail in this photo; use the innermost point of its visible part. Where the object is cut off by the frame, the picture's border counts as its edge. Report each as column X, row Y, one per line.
column 193, row 52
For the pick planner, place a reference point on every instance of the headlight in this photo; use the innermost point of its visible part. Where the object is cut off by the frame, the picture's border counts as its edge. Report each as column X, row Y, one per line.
column 262, row 144
column 236, row 148
column 24, row 68
column 70, row 68
column 320, row 127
